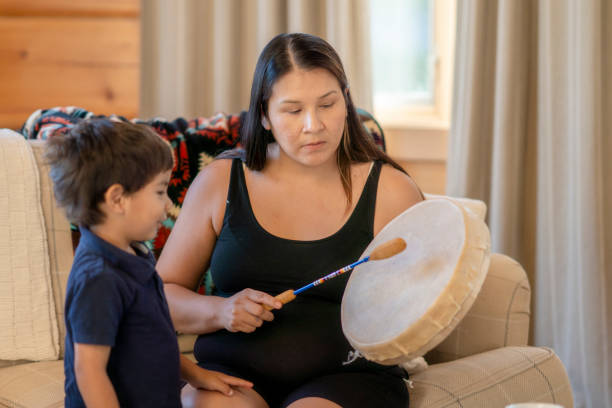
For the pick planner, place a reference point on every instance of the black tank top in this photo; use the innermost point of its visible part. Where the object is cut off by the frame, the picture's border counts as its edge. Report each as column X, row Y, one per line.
column 305, row 339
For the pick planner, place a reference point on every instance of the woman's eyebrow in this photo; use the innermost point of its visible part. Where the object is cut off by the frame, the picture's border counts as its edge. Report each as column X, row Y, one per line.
column 320, row 97
column 327, row 94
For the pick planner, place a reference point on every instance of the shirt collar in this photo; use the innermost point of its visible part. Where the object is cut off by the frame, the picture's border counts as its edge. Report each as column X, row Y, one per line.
column 140, row 266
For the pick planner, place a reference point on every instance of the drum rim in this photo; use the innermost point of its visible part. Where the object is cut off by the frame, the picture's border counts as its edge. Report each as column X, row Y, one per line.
column 392, row 351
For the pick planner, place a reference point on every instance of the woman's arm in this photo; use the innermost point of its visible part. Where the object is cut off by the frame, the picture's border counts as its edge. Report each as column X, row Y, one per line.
column 186, row 256
column 90, row 370
column 396, row 192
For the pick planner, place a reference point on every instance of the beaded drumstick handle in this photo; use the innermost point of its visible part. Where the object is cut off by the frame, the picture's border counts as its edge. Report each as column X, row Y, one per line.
column 383, row 251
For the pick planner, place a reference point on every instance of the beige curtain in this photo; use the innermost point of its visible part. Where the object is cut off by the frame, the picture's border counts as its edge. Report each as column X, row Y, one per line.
column 531, row 135
column 199, row 55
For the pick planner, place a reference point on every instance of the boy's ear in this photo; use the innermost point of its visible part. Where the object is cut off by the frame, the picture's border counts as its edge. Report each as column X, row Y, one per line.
column 114, row 198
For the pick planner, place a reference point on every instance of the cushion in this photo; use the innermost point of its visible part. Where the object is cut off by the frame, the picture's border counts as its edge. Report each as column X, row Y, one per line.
column 478, row 207
column 33, row 385
column 186, row 342
column 493, row 379
column 28, row 321
column 499, row 316
column 59, row 238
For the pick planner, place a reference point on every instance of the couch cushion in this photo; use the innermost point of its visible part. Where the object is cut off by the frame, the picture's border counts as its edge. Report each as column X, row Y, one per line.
column 493, row 379
column 186, row 342
column 28, row 321
column 499, row 316
column 33, row 385
column 478, row 207
column 59, row 238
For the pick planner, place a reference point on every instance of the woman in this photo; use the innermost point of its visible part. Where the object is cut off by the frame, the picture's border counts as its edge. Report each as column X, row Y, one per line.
column 307, row 197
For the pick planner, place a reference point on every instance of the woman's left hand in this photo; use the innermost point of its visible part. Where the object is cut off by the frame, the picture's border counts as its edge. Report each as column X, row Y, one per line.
column 216, row 381
column 201, row 378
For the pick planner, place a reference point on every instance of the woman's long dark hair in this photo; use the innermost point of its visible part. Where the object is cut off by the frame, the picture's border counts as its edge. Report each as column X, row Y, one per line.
column 282, row 54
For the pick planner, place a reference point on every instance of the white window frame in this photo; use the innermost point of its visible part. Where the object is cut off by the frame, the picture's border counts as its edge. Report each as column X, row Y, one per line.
column 435, row 115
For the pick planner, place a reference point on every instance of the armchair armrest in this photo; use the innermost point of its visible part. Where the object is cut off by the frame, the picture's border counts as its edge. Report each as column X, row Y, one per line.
column 493, row 379
column 498, row 318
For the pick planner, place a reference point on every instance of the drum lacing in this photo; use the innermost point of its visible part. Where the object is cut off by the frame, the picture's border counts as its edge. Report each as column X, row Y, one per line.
column 352, row 356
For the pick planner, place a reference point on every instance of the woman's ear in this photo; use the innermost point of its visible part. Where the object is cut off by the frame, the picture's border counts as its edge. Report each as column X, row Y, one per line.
column 265, row 122
column 114, row 198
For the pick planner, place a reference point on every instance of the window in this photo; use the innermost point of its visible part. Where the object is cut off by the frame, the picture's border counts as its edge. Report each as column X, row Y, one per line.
column 412, row 47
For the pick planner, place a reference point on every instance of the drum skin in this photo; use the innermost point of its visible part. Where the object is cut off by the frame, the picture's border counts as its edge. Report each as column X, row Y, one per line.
column 399, row 308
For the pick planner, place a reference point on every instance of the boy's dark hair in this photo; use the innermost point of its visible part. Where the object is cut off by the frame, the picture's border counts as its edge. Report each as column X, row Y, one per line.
column 98, row 153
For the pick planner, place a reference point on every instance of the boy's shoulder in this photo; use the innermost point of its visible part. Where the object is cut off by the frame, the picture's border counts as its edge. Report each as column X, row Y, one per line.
column 94, row 257
column 90, row 267
column 89, row 264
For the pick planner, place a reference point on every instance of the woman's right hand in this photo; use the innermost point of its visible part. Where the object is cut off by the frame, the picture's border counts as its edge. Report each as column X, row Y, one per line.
column 245, row 312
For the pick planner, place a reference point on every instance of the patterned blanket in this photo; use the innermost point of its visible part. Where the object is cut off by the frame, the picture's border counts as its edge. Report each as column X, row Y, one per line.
column 195, row 143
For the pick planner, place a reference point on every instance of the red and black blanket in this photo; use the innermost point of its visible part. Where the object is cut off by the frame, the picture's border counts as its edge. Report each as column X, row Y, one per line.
column 195, row 143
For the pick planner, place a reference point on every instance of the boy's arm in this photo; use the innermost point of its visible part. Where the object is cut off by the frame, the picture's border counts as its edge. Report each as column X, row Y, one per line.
column 90, row 370
column 199, row 377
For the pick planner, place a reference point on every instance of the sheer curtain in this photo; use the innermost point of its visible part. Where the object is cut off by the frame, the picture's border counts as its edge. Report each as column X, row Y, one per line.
column 199, row 55
column 532, row 136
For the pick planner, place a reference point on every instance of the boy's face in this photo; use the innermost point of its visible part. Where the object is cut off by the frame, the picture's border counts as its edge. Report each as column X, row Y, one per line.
column 147, row 208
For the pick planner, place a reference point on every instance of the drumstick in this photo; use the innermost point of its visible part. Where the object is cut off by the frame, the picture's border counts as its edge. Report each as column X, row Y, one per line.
column 382, row 251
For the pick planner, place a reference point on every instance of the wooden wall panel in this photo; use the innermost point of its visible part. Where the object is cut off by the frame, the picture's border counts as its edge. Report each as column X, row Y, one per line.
column 101, row 90
column 129, row 8
column 90, row 60
column 62, row 41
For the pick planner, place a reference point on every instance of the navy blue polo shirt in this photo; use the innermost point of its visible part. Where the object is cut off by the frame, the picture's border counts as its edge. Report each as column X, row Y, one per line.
column 117, row 299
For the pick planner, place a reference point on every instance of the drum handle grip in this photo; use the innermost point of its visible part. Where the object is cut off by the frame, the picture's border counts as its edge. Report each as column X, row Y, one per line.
column 285, row 297
column 388, row 249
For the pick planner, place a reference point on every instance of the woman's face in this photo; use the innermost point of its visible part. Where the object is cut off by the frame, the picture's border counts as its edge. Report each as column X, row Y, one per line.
column 306, row 114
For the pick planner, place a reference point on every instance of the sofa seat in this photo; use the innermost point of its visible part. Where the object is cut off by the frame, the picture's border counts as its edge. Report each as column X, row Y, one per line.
column 39, row 384
column 490, row 379
column 494, row 378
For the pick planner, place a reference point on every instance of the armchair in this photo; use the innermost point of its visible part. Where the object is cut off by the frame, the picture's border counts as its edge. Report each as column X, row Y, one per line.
column 485, row 361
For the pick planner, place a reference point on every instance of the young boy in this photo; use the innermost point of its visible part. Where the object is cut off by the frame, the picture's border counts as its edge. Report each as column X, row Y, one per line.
column 121, row 349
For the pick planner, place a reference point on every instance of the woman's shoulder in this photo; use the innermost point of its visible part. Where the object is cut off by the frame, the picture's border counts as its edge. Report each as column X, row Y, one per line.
column 395, row 178
column 392, row 181
column 208, row 191
column 398, row 186
column 213, row 176
column 213, row 179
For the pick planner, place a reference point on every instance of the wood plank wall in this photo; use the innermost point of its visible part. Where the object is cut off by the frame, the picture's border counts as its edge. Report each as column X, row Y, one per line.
column 82, row 53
